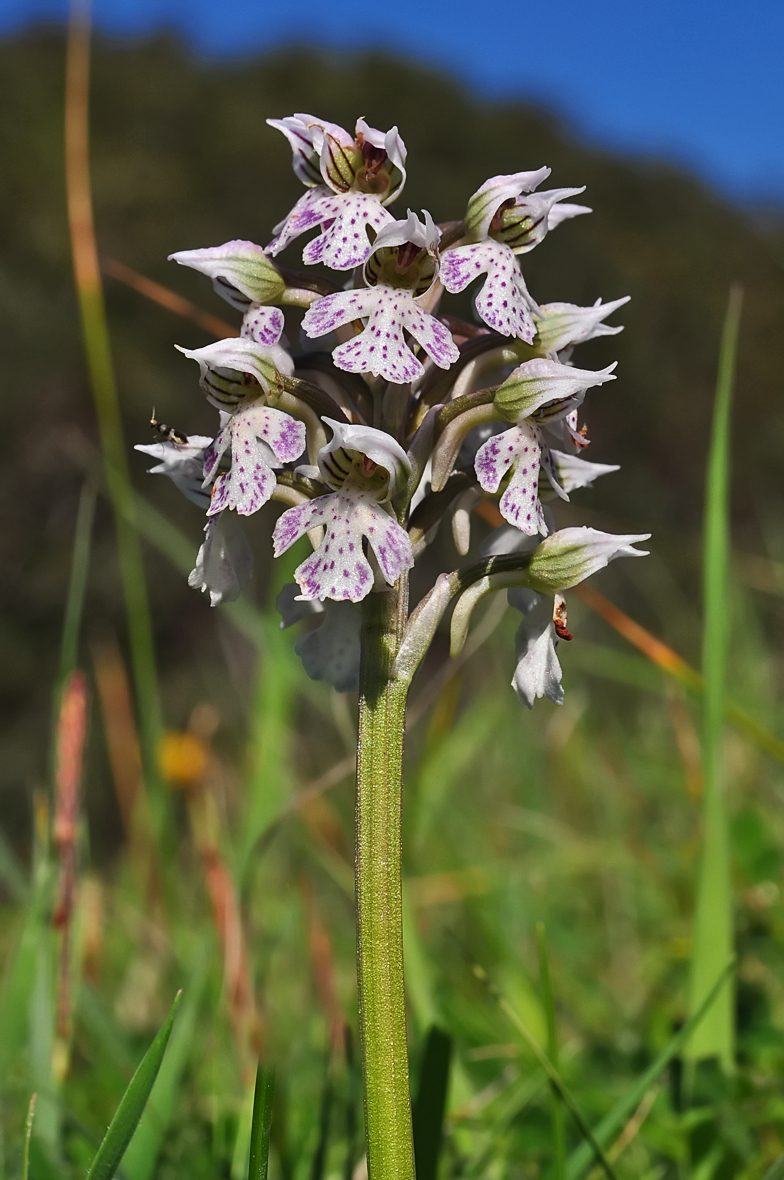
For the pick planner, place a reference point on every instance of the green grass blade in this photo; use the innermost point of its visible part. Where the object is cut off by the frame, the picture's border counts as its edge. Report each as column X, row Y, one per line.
column 261, row 1124
column 353, row 1100
column 143, row 1151
column 325, row 1118
column 558, row 1121
column 612, row 1123
column 556, row 1080
column 776, row 1170
column 27, row 1137
column 80, row 562
column 40, row 1039
column 269, row 780
column 430, row 1105
column 12, row 875
column 18, row 983
column 132, row 1104
column 713, row 938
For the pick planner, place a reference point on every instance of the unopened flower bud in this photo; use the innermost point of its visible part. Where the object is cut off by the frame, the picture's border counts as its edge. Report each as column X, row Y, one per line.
column 560, row 325
column 233, row 370
column 494, row 193
column 522, row 225
column 534, row 384
column 570, row 556
column 240, row 271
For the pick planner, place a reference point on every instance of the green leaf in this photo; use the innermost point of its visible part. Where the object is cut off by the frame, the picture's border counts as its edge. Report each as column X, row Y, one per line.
column 261, row 1124
column 430, row 1105
column 132, row 1104
column 713, row 938
column 614, row 1122
column 558, row 1122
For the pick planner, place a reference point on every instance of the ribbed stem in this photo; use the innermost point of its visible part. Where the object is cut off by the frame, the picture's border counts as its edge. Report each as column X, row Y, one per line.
column 379, row 898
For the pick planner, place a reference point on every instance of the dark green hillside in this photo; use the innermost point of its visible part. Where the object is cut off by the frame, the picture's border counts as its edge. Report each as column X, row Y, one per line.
column 182, row 158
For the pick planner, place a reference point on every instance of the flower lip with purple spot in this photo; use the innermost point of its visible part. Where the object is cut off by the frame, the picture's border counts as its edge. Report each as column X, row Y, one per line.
column 349, row 515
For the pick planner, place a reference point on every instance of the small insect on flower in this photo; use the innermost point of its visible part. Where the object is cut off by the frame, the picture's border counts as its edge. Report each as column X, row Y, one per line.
column 164, row 433
column 559, row 618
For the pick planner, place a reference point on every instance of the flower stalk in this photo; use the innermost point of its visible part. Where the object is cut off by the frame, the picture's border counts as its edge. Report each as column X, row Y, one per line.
column 379, row 896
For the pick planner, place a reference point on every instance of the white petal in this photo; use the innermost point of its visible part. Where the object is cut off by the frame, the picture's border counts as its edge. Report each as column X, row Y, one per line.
column 538, row 673
column 332, row 651
column 304, row 134
column 293, row 609
column 379, row 446
column 344, row 243
column 224, row 562
column 184, row 464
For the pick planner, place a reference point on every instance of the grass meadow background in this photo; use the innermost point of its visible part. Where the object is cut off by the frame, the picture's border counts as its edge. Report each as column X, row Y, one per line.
column 554, row 859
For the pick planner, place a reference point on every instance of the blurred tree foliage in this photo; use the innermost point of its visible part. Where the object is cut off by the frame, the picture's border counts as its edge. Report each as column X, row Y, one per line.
column 182, row 158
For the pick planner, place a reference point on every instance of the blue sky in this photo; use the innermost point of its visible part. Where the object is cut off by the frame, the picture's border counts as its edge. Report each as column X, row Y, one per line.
column 699, row 83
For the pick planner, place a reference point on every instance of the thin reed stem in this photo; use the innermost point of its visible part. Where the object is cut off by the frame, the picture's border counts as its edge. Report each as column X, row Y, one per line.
column 99, row 361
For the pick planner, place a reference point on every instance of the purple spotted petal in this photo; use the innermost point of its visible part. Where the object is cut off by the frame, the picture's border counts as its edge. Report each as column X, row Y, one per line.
column 496, row 456
column 333, row 311
column 247, row 486
column 503, row 303
column 345, row 244
column 313, row 208
column 389, row 541
column 381, row 349
column 263, row 324
column 295, row 522
column 435, row 338
column 519, row 504
column 260, row 438
column 338, row 569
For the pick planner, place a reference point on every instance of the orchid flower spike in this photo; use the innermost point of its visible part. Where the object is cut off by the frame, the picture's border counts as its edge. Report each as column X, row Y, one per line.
column 364, row 467
column 401, row 269
column 350, row 181
column 505, row 217
column 414, row 439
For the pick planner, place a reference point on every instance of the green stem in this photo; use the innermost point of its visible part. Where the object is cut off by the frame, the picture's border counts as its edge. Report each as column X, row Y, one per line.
column 379, row 896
